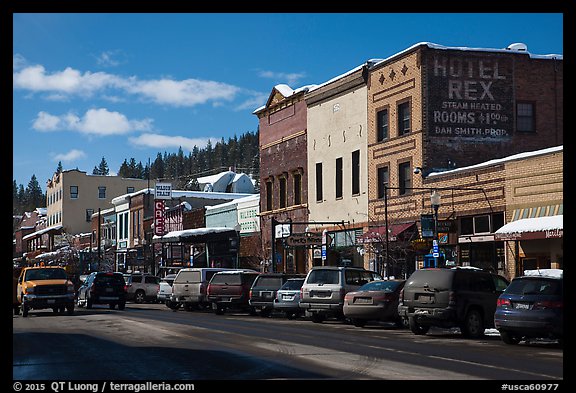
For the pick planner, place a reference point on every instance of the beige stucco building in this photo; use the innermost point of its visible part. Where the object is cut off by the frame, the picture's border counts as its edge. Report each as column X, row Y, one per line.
column 72, row 197
column 337, row 162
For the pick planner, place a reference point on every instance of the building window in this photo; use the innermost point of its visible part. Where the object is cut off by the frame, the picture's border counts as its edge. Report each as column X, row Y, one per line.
column 102, row 192
column 404, row 118
column 382, row 125
column 136, row 224
column 319, row 195
column 297, row 188
column 404, row 178
column 73, row 192
column 339, row 177
column 383, row 179
column 525, row 117
column 129, row 190
column 269, row 193
column 356, row 172
column 89, row 213
column 282, row 186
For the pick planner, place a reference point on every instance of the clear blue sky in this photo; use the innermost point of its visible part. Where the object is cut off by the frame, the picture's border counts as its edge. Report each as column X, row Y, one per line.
column 87, row 86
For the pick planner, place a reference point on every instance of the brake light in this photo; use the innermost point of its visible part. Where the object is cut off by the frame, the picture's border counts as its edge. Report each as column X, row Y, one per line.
column 208, row 290
column 125, row 288
column 544, row 304
column 503, row 303
column 250, row 293
column 383, row 298
column 348, row 297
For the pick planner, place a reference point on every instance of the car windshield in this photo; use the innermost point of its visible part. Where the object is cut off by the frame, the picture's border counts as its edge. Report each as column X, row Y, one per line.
column 226, row 279
column 293, row 284
column 530, row 286
column 385, row 286
column 45, row 274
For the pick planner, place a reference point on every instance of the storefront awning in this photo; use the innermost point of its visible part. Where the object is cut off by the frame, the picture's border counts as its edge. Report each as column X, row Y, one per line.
column 197, row 235
column 551, row 227
column 378, row 234
column 32, row 235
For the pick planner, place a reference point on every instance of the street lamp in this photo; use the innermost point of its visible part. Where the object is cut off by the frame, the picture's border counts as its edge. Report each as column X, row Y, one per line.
column 435, row 201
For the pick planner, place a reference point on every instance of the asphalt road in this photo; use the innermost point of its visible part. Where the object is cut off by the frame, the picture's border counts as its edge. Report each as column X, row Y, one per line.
column 151, row 342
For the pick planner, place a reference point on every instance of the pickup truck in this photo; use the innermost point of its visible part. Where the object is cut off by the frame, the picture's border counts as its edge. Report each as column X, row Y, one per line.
column 45, row 287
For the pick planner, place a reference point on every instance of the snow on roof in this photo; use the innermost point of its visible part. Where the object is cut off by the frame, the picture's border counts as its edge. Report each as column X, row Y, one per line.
column 432, row 45
column 535, row 224
column 177, row 235
column 184, row 194
column 557, row 273
column 213, row 178
column 234, row 202
column 497, row 161
column 287, row 92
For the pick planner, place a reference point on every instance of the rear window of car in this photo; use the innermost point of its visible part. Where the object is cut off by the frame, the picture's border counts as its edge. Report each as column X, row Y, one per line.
column 186, row 276
column 359, row 277
column 434, row 278
column 271, row 282
column 151, row 280
column 110, row 278
column 531, row 286
column 226, row 279
column 321, row 276
column 293, row 284
column 385, row 286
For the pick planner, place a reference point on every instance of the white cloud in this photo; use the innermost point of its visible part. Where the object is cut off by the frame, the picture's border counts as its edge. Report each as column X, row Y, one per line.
column 187, row 92
column 159, row 141
column 94, row 122
column 70, row 156
column 110, row 58
column 291, row 79
column 179, row 93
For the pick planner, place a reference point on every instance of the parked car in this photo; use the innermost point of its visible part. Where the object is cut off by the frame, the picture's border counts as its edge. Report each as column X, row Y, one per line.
column 322, row 294
column 231, row 290
column 142, row 287
column 43, row 287
column 102, row 288
column 189, row 287
column 287, row 298
column 374, row 301
column 532, row 306
column 263, row 291
column 457, row 297
column 165, row 290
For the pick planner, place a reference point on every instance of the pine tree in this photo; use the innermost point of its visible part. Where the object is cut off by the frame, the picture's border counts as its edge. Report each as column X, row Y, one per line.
column 34, row 195
column 59, row 168
column 103, row 167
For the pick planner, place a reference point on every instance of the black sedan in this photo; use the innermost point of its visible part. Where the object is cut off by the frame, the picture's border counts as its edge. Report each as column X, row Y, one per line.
column 374, row 301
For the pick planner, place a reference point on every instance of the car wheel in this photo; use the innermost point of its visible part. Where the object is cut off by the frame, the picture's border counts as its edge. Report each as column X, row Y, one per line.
column 218, row 310
column 112, row 306
column 317, row 317
column 24, row 310
column 139, row 297
column 473, row 325
column 509, row 338
column 121, row 306
column 16, row 310
column 88, row 302
column 55, row 310
column 416, row 328
column 70, row 309
column 358, row 322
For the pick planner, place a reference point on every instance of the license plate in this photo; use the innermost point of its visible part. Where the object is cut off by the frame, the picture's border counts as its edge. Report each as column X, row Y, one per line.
column 425, row 298
column 266, row 294
column 320, row 293
column 522, row 306
column 362, row 300
column 287, row 297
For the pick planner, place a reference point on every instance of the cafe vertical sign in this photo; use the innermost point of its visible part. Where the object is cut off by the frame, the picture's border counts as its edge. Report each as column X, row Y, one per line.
column 470, row 95
column 162, row 192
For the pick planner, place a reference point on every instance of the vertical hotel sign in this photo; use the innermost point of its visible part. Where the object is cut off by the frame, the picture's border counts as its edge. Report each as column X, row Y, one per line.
column 162, row 192
column 470, row 95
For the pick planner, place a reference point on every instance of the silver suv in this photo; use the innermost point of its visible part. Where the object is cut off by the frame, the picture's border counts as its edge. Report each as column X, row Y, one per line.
column 323, row 291
column 142, row 287
column 189, row 287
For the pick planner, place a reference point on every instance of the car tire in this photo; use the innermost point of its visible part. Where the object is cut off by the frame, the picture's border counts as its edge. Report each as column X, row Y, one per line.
column 70, row 309
column 416, row 328
column 121, row 306
column 473, row 326
column 16, row 310
column 358, row 322
column 139, row 297
column 24, row 309
column 88, row 302
column 218, row 310
column 509, row 338
column 112, row 306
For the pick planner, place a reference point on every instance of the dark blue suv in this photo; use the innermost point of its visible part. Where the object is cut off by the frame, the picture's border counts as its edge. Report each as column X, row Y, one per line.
column 532, row 306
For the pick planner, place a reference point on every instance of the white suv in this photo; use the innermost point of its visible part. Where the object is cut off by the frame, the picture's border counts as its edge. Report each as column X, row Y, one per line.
column 323, row 291
column 142, row 287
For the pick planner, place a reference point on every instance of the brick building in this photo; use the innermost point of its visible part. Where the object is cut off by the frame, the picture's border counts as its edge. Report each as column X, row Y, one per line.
column 283, row 173
column 432, row 109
